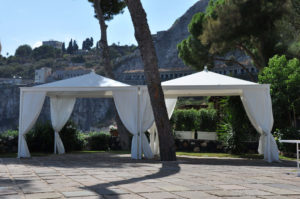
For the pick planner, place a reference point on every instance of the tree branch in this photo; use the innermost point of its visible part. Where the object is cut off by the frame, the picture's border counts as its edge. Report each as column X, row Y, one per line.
column 248, row 52
column 238, row 63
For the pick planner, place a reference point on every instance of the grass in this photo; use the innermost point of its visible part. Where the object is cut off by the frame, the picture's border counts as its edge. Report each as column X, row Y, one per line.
column 221, row 155
column 227, row 155
column 179, row 153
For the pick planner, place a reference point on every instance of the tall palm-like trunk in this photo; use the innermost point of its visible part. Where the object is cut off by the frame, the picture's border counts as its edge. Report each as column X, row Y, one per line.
column 146, row 46
column 123, row 132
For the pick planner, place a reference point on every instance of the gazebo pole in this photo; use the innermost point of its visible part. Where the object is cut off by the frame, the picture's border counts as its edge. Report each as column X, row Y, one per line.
column 54, row 142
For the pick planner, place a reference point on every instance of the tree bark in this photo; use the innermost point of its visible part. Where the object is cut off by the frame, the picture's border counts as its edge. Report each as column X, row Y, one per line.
column 146, row 46
column 103, row 40
column 122, row 130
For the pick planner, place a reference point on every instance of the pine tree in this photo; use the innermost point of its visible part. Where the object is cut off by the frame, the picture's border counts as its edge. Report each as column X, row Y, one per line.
column 70, row 47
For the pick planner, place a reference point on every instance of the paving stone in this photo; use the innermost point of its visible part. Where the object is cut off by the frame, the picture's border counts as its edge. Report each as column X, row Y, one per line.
column 194, row 194
column 230, row 187
column 123, row 196
column 43, row 195
column 160, row 195
column 78, row 194
column 105, row 175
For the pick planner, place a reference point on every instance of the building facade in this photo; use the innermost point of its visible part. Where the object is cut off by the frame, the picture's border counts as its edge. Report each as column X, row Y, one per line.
column 41, row 75
column 54, row 44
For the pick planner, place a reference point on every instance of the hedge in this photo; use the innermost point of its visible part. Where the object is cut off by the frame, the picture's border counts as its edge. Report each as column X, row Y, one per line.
column 41, row 139
column 191, row 119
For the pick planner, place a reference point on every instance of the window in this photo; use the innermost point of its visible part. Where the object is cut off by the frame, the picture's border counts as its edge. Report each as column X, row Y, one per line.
column 235, row 71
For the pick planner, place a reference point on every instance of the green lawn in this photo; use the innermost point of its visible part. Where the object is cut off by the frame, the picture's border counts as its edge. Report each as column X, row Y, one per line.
column 219, row 155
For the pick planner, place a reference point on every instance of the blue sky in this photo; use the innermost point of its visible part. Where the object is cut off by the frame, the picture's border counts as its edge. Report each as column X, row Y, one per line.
column 33, row 21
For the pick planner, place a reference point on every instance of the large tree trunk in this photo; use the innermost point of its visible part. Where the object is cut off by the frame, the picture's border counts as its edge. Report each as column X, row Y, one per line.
column 146, row 46
column 123, row 132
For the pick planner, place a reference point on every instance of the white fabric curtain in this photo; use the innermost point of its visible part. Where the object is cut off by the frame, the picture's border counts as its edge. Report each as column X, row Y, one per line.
column 154, row 141
column 258, row 106
column 31, row 104
column 135, row 111
column 61, row 109
column 126, row 104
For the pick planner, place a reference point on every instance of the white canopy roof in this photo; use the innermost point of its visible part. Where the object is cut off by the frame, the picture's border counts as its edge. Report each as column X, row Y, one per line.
column 89, row 85
column 207, row 83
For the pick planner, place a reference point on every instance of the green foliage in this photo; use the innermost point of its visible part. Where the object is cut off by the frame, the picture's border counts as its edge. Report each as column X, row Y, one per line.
column 235, row 127
column 73, row 140
column 284, row 77
column 259, row 28
column 41, row 138
column 87, row 44
column 9, row 142
column 78, row 59
column 110, row 8
column 44, row 52
column 98, row 141
column 289, row 133
column 23, row 51
column 191, row 119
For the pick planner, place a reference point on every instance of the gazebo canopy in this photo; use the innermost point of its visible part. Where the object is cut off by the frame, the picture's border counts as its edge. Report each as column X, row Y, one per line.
column 206, row 83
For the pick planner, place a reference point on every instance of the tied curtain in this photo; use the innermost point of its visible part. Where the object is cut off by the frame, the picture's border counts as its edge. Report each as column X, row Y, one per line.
column 135, row 111
column 31, row 104
column 154, row 141
column 61, row 109
column 258, row 106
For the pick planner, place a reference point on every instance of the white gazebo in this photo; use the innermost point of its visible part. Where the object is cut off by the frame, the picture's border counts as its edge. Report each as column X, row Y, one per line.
column 131, row 103
column 255, row 98
column 134, row 107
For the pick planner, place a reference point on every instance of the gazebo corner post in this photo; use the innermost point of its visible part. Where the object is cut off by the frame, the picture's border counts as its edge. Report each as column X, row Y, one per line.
column 20, row 123
column 54, row 142
column 139, row 151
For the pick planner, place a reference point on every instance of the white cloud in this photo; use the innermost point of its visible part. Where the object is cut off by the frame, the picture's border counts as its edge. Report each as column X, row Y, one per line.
column 37, row 44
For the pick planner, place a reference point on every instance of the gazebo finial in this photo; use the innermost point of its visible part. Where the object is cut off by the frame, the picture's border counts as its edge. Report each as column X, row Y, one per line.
column 205, row 69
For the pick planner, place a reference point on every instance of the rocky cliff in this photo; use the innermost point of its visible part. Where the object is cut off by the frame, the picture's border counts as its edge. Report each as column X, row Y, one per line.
column 87, row 113
column 165, row 43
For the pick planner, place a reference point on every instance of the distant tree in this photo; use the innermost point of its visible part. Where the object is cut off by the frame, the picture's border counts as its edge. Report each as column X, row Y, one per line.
column 70, row 47
column 87, row 44
column 23, row 51
column 75, row 46
column 251, row 26
column 105, row 11
column 63, row 48
column 284, row 77
column 149, row 57
column 44, row 52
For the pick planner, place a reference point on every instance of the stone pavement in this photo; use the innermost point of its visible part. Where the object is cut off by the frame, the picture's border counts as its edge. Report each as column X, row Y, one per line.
column 105, row 175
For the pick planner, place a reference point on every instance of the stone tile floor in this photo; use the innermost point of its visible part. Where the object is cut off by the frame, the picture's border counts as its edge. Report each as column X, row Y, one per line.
column 105, row 175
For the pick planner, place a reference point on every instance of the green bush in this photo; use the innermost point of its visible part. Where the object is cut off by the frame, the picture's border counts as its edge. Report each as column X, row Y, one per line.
column 287, row 134
column 98, row 141
column 9, row 142
column 235, row 128
column 41, row 138
column 191, row 119
column 73, row 139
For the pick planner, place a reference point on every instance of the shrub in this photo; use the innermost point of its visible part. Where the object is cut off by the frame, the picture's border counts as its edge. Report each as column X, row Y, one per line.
column 9, row 142
column 41, row 138
column 98, row 141
column 235, row 128
column 73, row 139
column 289, row 133
column 191, row 119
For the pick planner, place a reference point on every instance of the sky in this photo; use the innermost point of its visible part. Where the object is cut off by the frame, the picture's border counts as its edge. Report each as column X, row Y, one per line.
column 33, row 21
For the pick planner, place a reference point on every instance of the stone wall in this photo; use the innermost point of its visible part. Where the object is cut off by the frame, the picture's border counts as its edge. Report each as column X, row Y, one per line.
column 88, row 113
